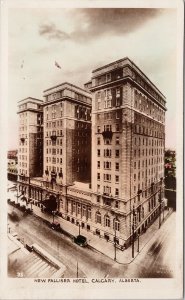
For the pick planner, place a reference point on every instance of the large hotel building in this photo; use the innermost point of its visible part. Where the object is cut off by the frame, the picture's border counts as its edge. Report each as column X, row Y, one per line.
column 103, row 151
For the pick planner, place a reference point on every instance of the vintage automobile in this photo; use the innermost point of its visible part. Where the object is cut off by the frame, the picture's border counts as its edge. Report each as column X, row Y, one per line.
column 56, row 226
column 81, row 240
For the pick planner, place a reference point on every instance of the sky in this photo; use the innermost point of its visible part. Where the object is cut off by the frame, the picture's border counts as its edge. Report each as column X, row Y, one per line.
column 82, row 39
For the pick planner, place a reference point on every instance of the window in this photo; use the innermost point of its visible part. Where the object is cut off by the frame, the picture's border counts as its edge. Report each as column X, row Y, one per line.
column 99, row 104
column 117, row 178
column 116, row 192
column 107, row 152
column 117, row 127
column 107, row 190
column 107, row 127
column 116, row 225
column 98, row 176
column 117, row 152
column 117, row 204
column 117, row 166
column 79, row 209
column 117, row 140
column 98, row 129
column 98, row 164
column 107, row 165
column 98, row 141
column 98, row 152
column 107, row 221
column 73, row 207
column 107, row 177
column 98, row 217
column 108, row 77
column 83, row 211
column 89, row 213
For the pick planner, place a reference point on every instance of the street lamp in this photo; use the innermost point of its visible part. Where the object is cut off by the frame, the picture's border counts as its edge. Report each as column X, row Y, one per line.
column 138, row 242
column 160, row 208
column 53, row 212
column 133, row 230
column 79, row 228
column 115, row 244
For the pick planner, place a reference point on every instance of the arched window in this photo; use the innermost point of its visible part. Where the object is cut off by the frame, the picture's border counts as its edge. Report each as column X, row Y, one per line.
column 98, row 217
column 107, row 221
column 116, row 224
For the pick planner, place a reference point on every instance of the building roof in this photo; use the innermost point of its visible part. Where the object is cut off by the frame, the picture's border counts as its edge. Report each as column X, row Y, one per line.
column 129, row 61
column 69, row 85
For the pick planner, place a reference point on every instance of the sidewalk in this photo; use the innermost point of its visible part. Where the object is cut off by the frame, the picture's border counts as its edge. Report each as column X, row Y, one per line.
column 101, row 245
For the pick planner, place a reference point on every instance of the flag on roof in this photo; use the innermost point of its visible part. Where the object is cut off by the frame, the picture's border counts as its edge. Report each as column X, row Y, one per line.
column 57, row 65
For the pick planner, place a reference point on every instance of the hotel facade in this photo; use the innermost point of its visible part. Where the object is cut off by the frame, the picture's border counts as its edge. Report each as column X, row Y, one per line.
column 103, row 152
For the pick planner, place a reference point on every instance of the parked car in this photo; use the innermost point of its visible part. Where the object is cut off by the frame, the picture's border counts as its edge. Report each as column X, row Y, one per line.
column 23, row 207
column 56, row 226
column 29, row 210
column 81, row 240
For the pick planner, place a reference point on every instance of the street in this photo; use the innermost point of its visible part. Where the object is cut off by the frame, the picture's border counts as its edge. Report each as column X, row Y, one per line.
column 155, row 259
column 33, row 230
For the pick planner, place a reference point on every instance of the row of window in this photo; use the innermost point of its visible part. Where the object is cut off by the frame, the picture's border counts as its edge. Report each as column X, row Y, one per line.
column 23, row 171
column 54, row 124
column 148, row 162
column 54, row 160
column 107, row 165
column 139, row 141
column 107, row 190
column 23, row 164
column 23, row 157
column 147, row 182
column 146, row 152
column 147, row 172
column 53, row 151
column 57, row 142
column 54, row 169
column 108, row 153
column 108, row 127
column 21, row 149
column 107, row 177
column 108, row 141
column 107, row 221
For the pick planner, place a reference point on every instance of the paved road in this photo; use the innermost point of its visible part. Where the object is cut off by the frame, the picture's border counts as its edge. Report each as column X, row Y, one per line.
column 155, row 260
column 33, row 230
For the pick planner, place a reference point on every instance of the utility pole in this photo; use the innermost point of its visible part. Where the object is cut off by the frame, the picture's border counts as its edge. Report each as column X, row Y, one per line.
column 160, row 204
column 53, row 215
column 28, row 189
column 77, row 270
column 133, row 225
column 138, row 242
column 115, row 245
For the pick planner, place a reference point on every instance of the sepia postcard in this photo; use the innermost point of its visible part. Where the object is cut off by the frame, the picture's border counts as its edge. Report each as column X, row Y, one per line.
column 91, row 159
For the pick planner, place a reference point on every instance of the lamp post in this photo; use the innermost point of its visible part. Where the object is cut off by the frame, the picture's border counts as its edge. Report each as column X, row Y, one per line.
column 133, row 230
column 17, row 194
column 115, row 245
column 53, row 212
column 138, row 242
column 77, row 270
column 160, row 200
column 79, row 228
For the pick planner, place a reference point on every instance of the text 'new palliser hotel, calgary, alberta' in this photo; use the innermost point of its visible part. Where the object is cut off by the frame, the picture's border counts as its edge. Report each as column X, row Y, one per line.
column 97, row 152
